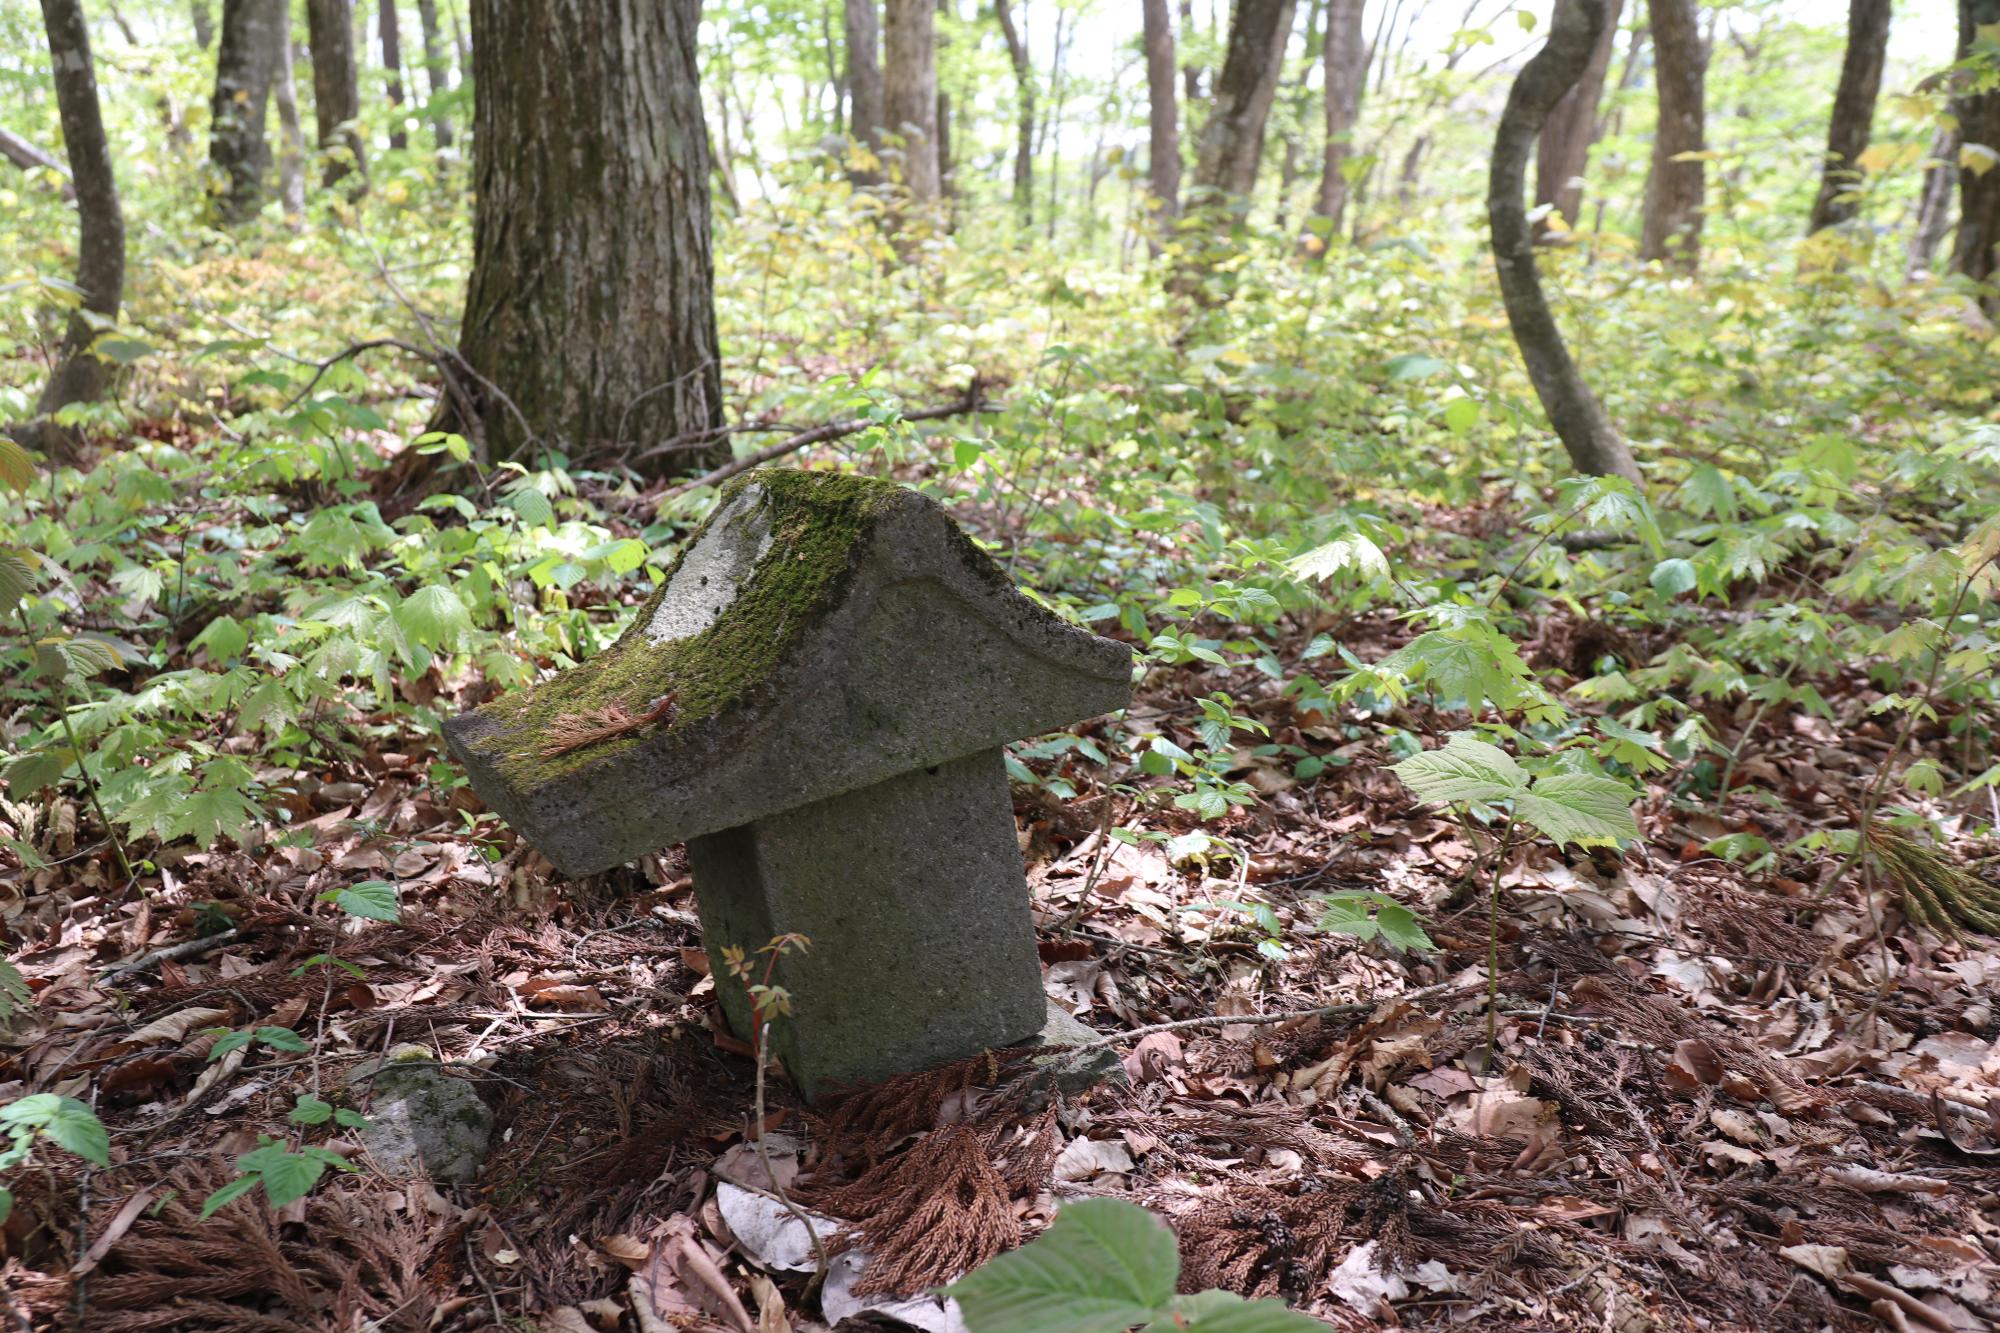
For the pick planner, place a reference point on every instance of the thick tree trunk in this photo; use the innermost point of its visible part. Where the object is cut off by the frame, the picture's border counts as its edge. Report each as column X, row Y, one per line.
column 591, row 304
column 204, row 23
column 436, row 71
column 291, row 138
column 1593, row 444
column 1562, row 154
column 1674, row 190
column 1163, row 122
column 864, row 81
column 336, row 90
column 1853, row 113
column 1024, row 111
column 1345, row 57
column 80, row 375
column 1232, row 143
column 909, row 91
column 1978, row 117
column 392, row 65
column 239, row 154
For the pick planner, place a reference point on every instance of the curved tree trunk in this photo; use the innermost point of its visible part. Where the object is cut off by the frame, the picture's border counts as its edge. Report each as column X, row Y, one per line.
column 80, row 375
column 909, row 91
column 1674, row 190
column 253, row 31
column 1024, row 111
column 1232, row 142
column 392, row 65
column 1562, row 154
column 1594, row 446
column 336, row 92
column 1853, row 113
column 1346, row 59
column 1163, row 115
column 591, row 302
column 1978, row 191
column 436, row 70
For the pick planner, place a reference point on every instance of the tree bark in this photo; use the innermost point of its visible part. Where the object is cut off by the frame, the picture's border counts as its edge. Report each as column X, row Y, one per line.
column 591, row 304
column 1345, row 57
column 1593, row 444
column 204, row 23
column 1671, row 229
column 239, row 154
column 336, row 90
column 1934, row 203
column 436, row 71
column 392, row 65
column 864, row 81
column 1853, row 113
column 1295, row 123
column 1562, row 155
column 1232, row 143
column 1163, row 121
column 1024, row 110
column 1978, row 117
column 80, row 375
column 909, row 91
column 291, row 139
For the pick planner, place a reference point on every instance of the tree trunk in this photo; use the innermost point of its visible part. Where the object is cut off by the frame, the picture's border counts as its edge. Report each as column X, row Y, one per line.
column 1288, row 169
column 1562, row 155
column 1978, row 116
column 291, row 139
column 1345, row 57
column 28, row 157
column 1163, row 161
column 1024, row 111
column 252, row 33
column 336, row 92
column 392, row 65
column 1853, row 113
column 1934, row 204
column 1191, row 71
column 1593, row 444
column 204, row 23
column 436, row 71
column 909, row 91
column 1674, row 190
column 864, row 81
column 591, row 304
column 80, row 375
column 1232, row 143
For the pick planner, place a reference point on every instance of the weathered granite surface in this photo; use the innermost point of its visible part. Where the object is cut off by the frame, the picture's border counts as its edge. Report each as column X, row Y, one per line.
column 419, row 1116
column 821, row 634
column 912, row 894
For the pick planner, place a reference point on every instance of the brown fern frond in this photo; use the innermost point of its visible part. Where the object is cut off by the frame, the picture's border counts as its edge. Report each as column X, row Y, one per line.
column 573, row 731
column 935, row 1212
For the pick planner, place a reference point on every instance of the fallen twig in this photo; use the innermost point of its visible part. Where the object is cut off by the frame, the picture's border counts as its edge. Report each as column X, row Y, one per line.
column 185, row 949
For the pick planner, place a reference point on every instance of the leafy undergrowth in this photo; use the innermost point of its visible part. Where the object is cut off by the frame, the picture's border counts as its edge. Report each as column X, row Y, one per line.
column 1741, row 1066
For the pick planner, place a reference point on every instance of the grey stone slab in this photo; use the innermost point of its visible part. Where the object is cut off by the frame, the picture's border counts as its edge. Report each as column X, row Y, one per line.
column 822, row 633
column 912, row 894
column 420, row 1117
column 1076, row 1070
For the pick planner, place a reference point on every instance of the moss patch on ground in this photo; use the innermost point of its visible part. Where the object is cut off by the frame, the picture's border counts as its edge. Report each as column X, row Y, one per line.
column 818, row 521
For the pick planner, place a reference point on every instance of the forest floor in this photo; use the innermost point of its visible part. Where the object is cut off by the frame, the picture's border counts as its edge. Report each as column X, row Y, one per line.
column 1710, row 1106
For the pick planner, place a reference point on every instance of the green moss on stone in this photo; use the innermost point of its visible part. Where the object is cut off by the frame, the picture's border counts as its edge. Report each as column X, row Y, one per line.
column 818, row 522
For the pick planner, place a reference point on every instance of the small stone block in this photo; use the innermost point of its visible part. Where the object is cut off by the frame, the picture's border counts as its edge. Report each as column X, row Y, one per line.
column 1076, row 1071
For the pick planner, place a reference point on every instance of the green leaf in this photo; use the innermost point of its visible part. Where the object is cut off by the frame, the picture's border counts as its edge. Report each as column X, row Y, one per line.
column 1226, row 1312
column 1103, row 1266
column 211, row 813
column 281, row 1039
column 224, row 638
column 532, row 506
column 1401, row 931
column 125, row 351
column 66, row 1121
column 227, row 1195
column 1352, row 551
column 17, row 575
column 1414, row 366
column 1581, row 808
column 1464, row 770
column 227, row 1042
column 433, row 617
column 310, row 1111
column 14, row 992
column 1460, row 414
column 1673, row 577
column 371, row 900
column 286, row 1175
column 17, row 470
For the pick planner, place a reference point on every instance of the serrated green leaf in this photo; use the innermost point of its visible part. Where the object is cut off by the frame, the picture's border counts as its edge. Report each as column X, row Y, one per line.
column 1352, row 551
column 14, row 992
column 17, row 470
column 532, row 506
column 17, row 576
column 1671, row 578
column 227, row 1042
column 1581, row 808
column 63, row 1120
column 1463, row 770
column 216, row 811
column 310, row 1110
column 282, row 1039
column 371, row 900
column 433, row 617
column 1103, row 1266
column 286, row 1176
column 224, row 638
column 1226, row 1312
column 227, row 1195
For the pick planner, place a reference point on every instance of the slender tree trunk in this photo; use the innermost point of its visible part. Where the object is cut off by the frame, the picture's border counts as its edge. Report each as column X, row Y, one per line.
column 1934, row 204
column 1346, row 59
column 1163, row 120
column 864, row 81
column 80, row 375
column 1232, row 143
column 291, row 138
column 1853, row 113
column 392, row 65
column 1191, row 70
column 1288, row 170
column 204, row 22
column 253, row 31
column 1562, row 155
column 436, row 70
column 591, row 302
column 1978, row 115
column 1593, row 444
column 1674, row 190
column 1024, row 110
column 909, row 91
column 336, row 90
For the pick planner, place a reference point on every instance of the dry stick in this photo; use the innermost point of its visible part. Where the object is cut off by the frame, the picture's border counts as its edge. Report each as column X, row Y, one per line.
column 185, row 949
column 799, row 1214
column 1080, row 1049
